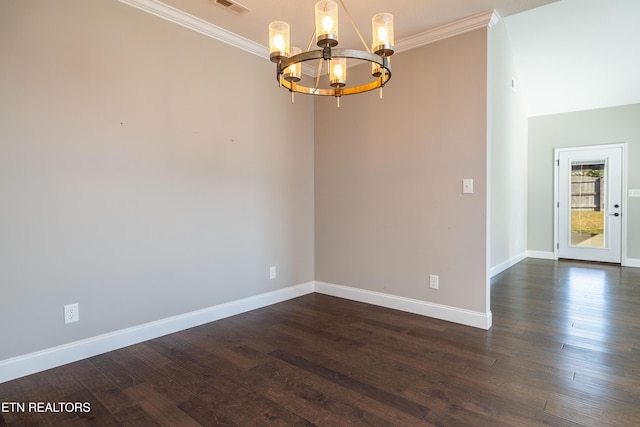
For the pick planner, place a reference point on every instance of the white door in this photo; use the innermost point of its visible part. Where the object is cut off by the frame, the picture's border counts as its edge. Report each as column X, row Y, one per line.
column 589, row 203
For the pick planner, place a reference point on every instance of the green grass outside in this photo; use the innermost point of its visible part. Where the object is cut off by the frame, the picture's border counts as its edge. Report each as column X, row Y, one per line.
column 591, row 222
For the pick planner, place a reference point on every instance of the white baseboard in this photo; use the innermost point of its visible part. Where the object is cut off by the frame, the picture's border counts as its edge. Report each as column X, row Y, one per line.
column 39, row 361
column 57, row 356
column 631, row 262
column 541, row 255
column 424, row 308
column 507, row 264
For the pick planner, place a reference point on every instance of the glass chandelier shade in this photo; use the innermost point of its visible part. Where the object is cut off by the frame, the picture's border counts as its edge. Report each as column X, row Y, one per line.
column 377, row 69
column 338, row 72
column 326, row 23
column 382, row 29
column 293, row 73
column 278, row 40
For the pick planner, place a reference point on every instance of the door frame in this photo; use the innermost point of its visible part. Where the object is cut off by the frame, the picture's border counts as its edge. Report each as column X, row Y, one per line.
column 556, row 195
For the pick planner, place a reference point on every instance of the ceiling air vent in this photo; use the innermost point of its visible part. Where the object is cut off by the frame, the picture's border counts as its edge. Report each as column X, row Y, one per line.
column 231, row 6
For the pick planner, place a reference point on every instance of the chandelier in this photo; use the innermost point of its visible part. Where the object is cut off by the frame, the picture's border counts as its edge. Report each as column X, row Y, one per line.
column 289, row 59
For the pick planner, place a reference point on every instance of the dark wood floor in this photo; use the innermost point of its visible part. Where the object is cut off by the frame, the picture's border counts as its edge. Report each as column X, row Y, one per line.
column 564, row 350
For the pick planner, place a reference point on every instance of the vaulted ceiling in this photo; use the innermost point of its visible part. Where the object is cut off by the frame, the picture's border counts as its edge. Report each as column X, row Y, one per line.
column 577, row 55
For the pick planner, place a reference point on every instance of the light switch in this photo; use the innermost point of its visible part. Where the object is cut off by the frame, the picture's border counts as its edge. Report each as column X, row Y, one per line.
column 467, row 186
column 634, row 193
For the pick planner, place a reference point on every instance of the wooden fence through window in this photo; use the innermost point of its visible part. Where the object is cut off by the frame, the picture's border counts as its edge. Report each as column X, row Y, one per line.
column 587, row 193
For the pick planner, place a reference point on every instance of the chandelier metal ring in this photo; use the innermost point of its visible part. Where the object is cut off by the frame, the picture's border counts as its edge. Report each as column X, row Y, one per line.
column 329, row 53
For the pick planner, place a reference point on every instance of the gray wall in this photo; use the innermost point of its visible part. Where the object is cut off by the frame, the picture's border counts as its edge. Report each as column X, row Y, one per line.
column 388, row 179
column 593, row 127
column 145, row 171
column 507, row 154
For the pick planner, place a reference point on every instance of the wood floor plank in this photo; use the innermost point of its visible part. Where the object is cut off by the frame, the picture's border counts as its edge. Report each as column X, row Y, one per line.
column 206, row 414
column 163, row 377
column 323, row 398
column 113, row 371
column 135, row 416
column 313, row 414
column 162, row 410
column 102, row 388
column 37, row 390
column 63, row 379
column 99, row 414
column 383, row 397
column 581, row 411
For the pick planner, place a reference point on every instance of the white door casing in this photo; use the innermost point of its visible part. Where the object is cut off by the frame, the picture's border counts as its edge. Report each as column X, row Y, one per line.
column 603, row 247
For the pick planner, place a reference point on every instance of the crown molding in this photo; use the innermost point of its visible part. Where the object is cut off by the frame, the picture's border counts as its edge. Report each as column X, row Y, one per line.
column 191, row 22
column 495, row 18
column 481, row 20
column 164, row 11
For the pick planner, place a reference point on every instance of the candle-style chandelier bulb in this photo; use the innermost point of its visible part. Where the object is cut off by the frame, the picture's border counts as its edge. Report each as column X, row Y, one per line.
column 293, row 73
column 326, row 23
column 278, row 41
column 338, row 72
column 377, row 69
column 383, row 38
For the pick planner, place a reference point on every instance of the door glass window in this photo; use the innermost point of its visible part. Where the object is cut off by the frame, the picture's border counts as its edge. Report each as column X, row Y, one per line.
column 588, row 203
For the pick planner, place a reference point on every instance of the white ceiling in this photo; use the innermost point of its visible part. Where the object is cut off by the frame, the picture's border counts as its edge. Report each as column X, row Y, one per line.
column 571, row 55
column 577, row 55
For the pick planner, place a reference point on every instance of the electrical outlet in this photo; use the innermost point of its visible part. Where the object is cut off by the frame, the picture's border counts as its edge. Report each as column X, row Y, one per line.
column 272, row 273
column 434, row 281
column 71, row 313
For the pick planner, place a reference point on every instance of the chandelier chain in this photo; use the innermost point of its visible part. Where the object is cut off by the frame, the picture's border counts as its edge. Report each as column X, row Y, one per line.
column 313, row 35
column 318, row 75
